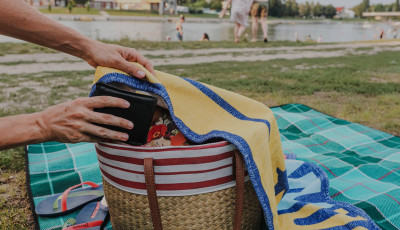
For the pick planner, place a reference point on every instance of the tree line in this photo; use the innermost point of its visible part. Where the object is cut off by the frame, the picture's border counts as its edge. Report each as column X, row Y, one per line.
column 290, row 8
column 277, row 8
column 365, row 6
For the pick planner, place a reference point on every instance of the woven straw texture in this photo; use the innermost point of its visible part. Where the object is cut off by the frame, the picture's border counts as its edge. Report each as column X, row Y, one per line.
column 214, row 210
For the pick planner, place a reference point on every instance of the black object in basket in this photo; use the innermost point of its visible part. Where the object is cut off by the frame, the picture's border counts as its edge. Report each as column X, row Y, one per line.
column 140, row 112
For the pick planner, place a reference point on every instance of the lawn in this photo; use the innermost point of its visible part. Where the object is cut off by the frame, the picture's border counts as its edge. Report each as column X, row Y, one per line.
column 75, row 10
column 28, row 48
column 145, row 13
column 363, row 89
column 155, row 14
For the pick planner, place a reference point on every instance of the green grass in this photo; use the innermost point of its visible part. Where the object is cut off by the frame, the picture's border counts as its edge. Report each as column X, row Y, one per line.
column 22, row 48
column 28, row 48
column 147, row 45
column 147, row 13
column 364, row 49
column 143, row 13
column 363, row 89
column 12, row 159
column 15, row 213
column 15, row 63
column 64, row 10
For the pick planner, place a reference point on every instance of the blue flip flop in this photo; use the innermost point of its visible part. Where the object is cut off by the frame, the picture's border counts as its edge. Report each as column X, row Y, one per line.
column 92, row 217
column 70, row 201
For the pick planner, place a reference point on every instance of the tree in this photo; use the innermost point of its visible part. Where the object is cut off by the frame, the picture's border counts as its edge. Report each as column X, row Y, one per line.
column 276, row 8
column 81, row 2
column 70, row 5
column 312, row 5
column 317, row 11
column 182, row 2
column 397, row 6
column 379, row 8
column 295, row 8
column 216, row 5
column 366, row 4
column 307, row 10
column 292, row 8
column 302, row 9
column 330, row 11
column 362, row 7
column 201, row 4
column 358, row 10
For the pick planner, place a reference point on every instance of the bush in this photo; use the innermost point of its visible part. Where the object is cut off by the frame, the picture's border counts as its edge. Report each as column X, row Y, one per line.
column 201, row 4
column 195, row 10
column 216, row 5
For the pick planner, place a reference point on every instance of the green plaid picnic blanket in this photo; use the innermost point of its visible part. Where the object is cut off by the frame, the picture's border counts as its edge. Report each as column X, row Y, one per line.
column 361, row 163
column 53, row 167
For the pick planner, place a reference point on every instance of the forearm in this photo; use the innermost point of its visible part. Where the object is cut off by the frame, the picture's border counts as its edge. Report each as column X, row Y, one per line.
column 19, row 20
column 21, row 130
column 31, row 25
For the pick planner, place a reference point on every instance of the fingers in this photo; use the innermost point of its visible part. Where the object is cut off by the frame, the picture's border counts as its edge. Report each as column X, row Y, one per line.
column 105, row 101
column 107, row 119
column 133, row 70
column 134, row 56
column 73, row 121
column 146, row 63
column 103, row 133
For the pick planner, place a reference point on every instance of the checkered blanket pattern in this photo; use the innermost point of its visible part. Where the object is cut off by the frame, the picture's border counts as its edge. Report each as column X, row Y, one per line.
column 53, row 167
column 361, row 163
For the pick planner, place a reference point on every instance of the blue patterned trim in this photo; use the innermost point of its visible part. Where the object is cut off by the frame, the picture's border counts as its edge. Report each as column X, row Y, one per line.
column 238, row 141
column 323, row 197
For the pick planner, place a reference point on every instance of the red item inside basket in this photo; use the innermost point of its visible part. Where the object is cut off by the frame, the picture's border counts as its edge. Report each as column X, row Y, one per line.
column 164, row 132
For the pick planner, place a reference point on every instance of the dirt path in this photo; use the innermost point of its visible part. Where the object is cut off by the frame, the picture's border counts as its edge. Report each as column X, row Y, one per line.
column 35, row 63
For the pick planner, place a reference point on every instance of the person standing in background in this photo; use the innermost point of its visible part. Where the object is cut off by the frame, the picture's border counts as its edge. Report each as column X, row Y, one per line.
column 381, row 34
column 259, row 11
column 179, row 27
column 240, row 10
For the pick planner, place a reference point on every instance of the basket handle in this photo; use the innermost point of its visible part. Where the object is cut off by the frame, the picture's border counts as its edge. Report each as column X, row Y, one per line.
column 152, row 193
column 239, row 191
column 153, row 201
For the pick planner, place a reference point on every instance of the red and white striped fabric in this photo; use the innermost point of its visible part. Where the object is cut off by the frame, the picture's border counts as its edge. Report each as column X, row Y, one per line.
column 179, row 171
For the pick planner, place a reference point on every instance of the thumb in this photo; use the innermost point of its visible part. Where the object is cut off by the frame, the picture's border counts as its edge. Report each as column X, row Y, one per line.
column 132, row 69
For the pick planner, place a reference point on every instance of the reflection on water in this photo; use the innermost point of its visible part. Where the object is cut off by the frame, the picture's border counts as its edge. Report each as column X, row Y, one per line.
column 158, row 31
column 330, row 31
column 153, row 31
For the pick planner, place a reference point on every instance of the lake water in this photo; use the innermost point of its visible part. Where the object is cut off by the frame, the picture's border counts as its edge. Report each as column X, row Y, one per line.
column 330, row 31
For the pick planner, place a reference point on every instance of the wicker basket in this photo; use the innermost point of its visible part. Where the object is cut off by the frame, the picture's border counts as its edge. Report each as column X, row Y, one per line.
column 212, row 207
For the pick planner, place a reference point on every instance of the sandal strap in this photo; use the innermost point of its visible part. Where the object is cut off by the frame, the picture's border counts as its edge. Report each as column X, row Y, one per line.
column 80, row 193
column 66, row 192
column 85, row 225
column 69, row 222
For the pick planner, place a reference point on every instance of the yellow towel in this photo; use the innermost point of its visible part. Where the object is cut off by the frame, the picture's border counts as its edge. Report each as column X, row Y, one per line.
column 202, row 112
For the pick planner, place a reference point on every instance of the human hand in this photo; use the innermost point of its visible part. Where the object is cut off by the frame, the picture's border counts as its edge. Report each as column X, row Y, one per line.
column 118, row 57
column 73, row 121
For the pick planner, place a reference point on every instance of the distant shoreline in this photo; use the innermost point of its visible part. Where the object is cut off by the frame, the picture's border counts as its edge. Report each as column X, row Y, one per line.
column 83, row 17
